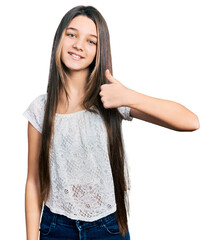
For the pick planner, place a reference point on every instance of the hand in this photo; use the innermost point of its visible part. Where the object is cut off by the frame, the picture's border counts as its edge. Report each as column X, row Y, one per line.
column 113, row 94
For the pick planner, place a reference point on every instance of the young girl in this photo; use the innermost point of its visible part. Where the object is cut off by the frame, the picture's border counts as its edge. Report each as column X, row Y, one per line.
column 76, row 160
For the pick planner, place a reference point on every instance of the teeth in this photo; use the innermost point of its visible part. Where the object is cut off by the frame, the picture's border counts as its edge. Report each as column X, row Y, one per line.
column 75, row 56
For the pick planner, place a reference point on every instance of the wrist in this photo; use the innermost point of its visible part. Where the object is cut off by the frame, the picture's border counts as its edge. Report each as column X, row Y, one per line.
column 130, row 98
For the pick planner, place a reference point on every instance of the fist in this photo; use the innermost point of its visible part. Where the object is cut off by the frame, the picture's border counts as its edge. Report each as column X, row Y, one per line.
column 113, row 94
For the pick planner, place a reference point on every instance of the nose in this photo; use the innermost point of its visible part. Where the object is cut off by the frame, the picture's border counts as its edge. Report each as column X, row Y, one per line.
column 78, row 44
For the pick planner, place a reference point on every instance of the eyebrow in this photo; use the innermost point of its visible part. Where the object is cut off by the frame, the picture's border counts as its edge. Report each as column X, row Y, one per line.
column 72, row 28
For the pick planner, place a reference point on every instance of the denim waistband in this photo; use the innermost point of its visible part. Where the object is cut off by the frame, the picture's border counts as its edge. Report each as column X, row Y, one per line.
column 62, row 219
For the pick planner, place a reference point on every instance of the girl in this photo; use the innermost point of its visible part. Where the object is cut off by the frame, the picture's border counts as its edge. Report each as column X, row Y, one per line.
column 76, row 160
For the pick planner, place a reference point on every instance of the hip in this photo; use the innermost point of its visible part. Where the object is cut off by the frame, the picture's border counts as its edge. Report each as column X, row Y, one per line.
column 57, row 226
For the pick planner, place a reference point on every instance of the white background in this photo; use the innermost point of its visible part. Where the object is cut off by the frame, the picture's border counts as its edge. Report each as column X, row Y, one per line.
column 165, row 49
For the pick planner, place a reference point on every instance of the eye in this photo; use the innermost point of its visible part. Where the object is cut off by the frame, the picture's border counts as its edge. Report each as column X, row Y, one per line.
column 70, row 35
column 91, row 42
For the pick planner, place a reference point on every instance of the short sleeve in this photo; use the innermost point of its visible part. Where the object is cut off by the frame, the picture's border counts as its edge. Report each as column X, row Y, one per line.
column 35, row 112
column 125, row 112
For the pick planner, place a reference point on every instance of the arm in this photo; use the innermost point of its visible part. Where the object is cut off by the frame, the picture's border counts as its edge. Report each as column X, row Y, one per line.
column 32, row 194
column 162, row 112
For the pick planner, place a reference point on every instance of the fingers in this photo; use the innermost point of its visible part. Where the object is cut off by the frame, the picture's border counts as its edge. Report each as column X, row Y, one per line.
column 110, row 77
column 108, row 74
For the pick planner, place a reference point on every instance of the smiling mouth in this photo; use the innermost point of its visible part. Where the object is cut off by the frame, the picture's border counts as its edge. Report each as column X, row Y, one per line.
column 75, row 57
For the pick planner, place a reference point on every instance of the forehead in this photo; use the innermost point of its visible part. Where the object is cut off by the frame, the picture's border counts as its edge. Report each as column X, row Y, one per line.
column 83, row 24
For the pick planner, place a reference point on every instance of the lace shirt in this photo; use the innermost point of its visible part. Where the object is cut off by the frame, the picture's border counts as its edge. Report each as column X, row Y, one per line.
column 82, row 186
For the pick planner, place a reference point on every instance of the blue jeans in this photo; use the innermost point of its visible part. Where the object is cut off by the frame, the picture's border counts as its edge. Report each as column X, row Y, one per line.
column 55, row 226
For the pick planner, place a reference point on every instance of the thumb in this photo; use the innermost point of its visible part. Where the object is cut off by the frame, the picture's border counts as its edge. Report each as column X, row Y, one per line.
column 110, row 77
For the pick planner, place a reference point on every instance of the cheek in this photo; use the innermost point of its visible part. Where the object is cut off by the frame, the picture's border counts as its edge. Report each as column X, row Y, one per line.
column 62, row 54
column 65, row 47
column 93, row 53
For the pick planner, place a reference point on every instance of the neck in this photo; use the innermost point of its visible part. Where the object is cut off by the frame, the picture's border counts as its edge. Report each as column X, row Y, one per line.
column 76, row 82
column 75, row 85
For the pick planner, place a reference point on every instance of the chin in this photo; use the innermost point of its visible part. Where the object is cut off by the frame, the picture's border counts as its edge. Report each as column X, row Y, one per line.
column 71, row 68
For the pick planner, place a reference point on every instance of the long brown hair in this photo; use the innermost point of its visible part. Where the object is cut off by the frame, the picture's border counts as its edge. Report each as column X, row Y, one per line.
column 111, row 117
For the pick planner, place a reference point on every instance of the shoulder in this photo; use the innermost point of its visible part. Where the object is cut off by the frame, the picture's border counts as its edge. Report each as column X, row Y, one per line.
column 35, row 111
column 41, row 99
column 38, row 104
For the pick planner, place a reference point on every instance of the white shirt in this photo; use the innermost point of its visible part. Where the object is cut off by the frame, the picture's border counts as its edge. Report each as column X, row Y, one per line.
column 82, row 185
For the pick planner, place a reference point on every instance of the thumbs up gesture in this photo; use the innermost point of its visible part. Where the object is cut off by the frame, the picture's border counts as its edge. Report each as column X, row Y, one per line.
column 113, row 95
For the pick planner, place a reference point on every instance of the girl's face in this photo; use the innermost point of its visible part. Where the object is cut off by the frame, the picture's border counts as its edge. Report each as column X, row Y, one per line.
column 79, row 44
